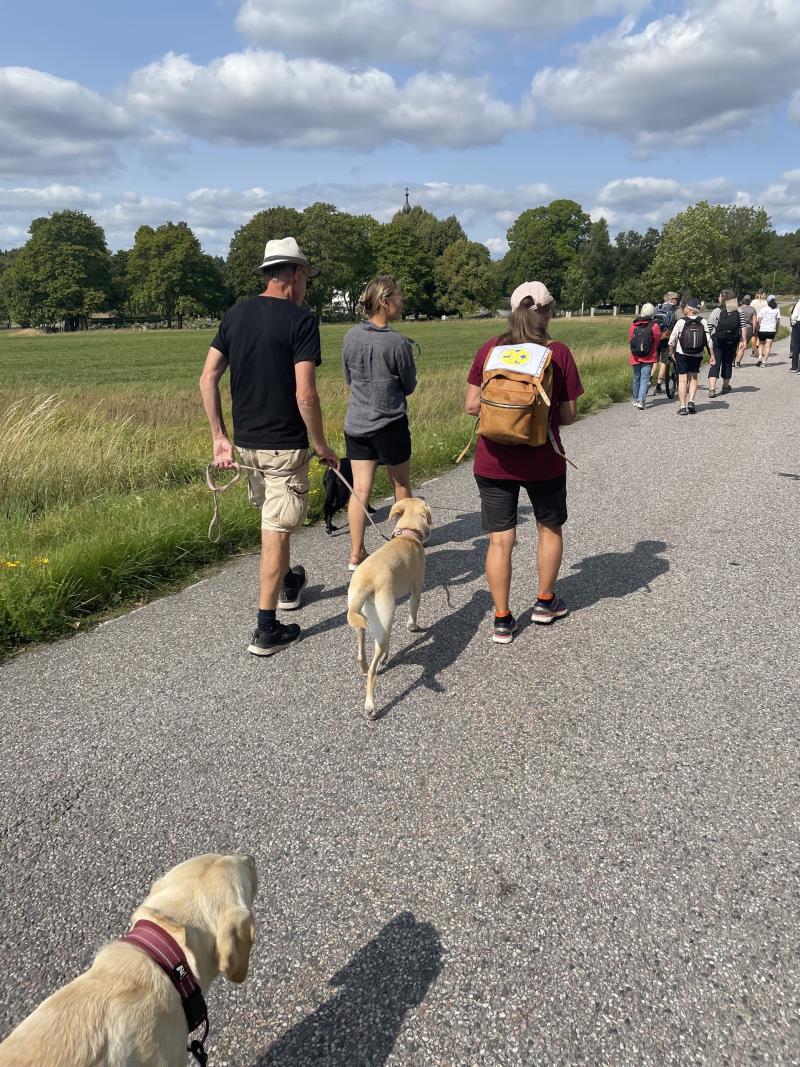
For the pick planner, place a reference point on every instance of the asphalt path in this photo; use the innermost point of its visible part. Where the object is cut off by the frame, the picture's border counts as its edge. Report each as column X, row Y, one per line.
column 582, row 848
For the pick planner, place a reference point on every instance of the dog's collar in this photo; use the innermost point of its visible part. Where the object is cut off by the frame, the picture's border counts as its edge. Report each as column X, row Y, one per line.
column 408, row 533
column 165, row 951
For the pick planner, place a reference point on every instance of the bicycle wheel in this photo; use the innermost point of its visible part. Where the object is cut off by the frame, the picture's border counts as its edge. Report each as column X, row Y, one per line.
column 671, row 380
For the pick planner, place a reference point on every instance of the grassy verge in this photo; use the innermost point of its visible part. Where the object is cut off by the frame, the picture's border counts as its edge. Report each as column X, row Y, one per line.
column 104, row 444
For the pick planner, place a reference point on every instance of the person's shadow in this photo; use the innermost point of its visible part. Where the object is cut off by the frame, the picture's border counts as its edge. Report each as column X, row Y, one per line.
column 359, row 1026
column 612, row 575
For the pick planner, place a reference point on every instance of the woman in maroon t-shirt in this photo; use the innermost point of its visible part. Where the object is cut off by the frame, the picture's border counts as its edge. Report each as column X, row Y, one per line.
column 502, row 470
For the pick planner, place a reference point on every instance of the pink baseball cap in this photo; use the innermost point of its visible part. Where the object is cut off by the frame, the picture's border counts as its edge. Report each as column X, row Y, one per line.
column 537, row 291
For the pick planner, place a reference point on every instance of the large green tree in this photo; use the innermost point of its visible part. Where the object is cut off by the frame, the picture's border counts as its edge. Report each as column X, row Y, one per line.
column 465, row 281
column 544, row 242
column 783, row 256
column 344, row 247
column 170, row 275
column 691, row 255
column 432, row 236
column 6, row 259
column 399, row 254
column 748, row 233
column 247, row 247
column 597, row 261
column 633, row 254
column 63, row 272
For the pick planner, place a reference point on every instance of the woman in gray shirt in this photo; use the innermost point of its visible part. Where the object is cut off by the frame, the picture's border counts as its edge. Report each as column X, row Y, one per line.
column 379, row 368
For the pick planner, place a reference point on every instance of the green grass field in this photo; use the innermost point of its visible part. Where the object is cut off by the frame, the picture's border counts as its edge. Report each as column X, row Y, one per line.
column 104, row 445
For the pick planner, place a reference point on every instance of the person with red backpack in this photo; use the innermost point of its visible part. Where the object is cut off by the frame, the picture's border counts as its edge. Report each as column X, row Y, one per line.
column 502, row 469
column 644, row 337
column 690, row 338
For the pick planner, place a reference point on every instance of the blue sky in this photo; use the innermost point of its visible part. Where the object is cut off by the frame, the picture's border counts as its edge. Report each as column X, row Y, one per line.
column 211, row 111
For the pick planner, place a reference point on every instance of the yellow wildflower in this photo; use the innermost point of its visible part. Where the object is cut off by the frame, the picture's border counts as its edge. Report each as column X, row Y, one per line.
column 9, row 564
column 40, row 561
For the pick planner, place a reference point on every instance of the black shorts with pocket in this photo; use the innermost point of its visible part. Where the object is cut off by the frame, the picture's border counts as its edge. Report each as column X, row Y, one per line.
column 688, row 364
column 391, row 444
column 499, row 498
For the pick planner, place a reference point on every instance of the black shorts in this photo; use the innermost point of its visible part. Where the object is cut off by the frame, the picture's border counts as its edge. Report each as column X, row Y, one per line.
column 499, row 497
column 391, row 444
column 688, row 364
column 766, row 335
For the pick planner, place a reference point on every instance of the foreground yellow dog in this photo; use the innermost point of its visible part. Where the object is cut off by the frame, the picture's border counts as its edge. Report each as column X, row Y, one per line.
column 397, row 568
column 124, row 1011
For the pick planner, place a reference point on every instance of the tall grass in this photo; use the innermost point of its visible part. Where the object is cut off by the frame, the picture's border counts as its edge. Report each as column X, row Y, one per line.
column 102, row 497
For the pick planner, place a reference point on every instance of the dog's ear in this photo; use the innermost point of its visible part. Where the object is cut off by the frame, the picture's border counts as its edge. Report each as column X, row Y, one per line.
column 398, row 510
column 236, row 931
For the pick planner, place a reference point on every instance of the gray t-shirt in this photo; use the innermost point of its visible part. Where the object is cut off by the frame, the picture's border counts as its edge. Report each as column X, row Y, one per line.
column 379, row 368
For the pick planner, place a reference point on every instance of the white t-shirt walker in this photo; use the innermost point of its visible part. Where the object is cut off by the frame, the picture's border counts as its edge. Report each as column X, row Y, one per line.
column 769, row 319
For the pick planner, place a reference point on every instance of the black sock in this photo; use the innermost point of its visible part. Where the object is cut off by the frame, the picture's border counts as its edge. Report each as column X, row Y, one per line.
column 266, row 620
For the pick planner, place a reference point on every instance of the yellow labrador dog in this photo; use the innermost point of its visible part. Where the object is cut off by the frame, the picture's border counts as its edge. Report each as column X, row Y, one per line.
column 125, row 1011
column 397, row 568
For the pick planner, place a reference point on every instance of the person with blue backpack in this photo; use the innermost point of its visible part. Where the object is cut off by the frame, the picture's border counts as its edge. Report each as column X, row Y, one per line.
column 664, row 316
column 644, row 337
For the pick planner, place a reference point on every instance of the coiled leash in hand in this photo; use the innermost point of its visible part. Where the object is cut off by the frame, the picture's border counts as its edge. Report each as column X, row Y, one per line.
column 215, row 526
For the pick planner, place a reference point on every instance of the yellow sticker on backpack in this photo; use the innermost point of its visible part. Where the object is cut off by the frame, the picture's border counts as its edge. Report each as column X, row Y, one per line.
column 526, row 358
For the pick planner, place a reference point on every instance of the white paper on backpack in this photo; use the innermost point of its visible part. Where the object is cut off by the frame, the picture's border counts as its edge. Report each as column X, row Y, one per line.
column 524, row 359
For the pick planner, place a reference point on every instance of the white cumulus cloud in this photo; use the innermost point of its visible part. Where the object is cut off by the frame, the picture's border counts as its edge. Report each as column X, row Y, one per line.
column 53, row 126
column 681, row 79
column 263, row 98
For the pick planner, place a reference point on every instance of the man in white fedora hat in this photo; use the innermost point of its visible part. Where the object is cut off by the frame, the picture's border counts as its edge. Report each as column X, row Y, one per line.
column 272, row 347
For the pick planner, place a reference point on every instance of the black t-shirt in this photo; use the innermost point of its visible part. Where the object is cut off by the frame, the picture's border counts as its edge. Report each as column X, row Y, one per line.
column 263, row 338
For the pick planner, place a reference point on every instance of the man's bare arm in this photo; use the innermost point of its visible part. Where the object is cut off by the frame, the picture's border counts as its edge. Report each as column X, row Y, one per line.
column 214, row 367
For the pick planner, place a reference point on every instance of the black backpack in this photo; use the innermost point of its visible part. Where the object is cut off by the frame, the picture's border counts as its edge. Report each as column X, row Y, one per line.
column 642, row 337
column 693, row 337
column 729, row 326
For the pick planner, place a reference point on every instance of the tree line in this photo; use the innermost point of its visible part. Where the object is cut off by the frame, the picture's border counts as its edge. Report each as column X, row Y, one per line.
column 65, row 272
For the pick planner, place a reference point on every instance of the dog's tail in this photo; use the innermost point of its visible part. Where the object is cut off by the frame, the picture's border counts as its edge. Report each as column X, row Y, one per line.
column 356, row 619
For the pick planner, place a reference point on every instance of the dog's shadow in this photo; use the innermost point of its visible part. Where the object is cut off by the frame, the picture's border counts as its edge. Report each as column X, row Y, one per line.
column 437, row 647
column 359, row 1026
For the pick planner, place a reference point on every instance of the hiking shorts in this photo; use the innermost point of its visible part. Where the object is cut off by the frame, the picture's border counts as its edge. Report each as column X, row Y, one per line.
column 500, row 497
column 281, row 491
column 391, row 444
column 688, row 364
column 766, row 335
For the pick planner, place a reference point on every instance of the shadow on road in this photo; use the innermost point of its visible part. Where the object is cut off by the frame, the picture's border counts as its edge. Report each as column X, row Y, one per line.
column 612, row 575
column 358, row 1027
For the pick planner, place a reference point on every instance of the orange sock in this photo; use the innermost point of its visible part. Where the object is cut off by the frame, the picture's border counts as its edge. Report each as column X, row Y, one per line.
column 546, row 598
column 502, row 614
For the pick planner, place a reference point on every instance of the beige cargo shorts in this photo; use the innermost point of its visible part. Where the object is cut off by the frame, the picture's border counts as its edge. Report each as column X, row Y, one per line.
column 279, row 486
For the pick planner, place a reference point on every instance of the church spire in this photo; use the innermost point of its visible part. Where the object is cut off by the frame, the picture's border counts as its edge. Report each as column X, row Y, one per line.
column 406, row 208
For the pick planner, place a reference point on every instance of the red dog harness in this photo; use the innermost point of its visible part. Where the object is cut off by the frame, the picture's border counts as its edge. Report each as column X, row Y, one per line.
column 168, row 954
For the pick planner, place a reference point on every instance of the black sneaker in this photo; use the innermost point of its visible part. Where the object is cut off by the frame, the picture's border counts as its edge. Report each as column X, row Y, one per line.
column 268, row 642
column 504, row 630
column 659, row 389
column 547, row 611
column 691, row 408
column 292, row 592
column 682, row 411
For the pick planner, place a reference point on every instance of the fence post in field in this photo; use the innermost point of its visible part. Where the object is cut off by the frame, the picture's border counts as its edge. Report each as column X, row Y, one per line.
column 591, row 313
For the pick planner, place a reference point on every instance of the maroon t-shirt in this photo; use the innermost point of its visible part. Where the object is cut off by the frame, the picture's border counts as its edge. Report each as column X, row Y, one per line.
column 521, row 462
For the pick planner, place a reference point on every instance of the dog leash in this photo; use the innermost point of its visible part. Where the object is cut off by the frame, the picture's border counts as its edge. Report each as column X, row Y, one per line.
column 215, row 526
